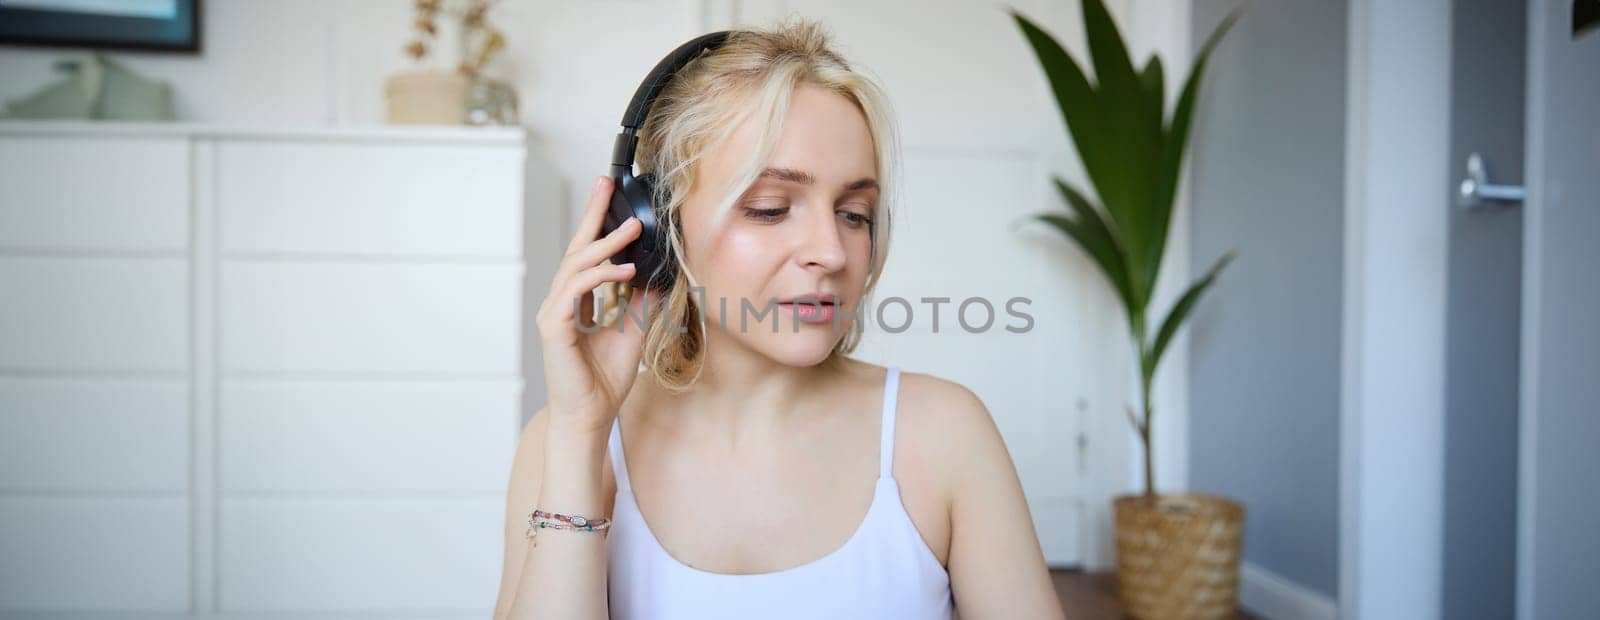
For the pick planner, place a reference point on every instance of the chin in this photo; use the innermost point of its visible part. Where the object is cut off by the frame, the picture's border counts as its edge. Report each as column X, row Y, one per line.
column 801, row 351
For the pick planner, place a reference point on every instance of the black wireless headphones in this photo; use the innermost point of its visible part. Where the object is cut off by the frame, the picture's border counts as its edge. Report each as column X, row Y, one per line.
column 651, row 254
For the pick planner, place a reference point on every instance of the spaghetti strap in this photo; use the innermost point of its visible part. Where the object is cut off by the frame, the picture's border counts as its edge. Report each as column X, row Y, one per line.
column 891, row 394
column 619, row 463
column 884, row 570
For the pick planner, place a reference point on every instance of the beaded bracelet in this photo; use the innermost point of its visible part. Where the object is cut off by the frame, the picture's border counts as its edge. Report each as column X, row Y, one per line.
column 572, row 522
column 573, row 519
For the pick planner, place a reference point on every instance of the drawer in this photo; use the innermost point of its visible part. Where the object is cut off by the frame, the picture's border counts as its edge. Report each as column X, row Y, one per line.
column 380, row 198
column 385, row 555
column 311, row 317
column 102, row 314
column 73, row 434
column 118, row 193
column 414, row 436
column 74, row 554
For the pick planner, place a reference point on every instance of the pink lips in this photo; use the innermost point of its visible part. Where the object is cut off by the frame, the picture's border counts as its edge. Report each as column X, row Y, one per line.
column 808, row 312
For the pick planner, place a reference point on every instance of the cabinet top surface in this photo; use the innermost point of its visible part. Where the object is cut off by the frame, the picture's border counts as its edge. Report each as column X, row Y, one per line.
column 513, row 135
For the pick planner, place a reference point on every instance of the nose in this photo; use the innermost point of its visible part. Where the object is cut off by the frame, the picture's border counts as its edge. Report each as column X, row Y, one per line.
column 821, row 246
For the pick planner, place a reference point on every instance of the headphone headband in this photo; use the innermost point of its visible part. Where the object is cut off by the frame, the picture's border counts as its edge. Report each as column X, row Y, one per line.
column 658, row 77
column 653, row 84
column 654, row 265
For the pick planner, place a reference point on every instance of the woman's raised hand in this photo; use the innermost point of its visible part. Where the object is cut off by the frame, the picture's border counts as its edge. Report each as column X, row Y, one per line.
column 589, row 371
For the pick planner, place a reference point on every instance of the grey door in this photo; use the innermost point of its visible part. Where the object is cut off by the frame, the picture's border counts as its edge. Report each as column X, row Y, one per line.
column 1558, row 568
column 1488, row 65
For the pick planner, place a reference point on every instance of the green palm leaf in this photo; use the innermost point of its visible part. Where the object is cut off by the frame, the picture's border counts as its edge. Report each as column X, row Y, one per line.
column 1177, row 315
column 1096, row 238
column 1134, row 161
column 1170, row 167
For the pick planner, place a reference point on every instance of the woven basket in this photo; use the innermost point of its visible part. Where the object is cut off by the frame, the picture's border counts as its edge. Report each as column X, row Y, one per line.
column 1178, row 556
column 431, row 97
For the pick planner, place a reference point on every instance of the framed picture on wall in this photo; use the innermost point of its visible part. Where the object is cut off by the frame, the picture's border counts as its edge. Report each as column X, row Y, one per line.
column 160, row 25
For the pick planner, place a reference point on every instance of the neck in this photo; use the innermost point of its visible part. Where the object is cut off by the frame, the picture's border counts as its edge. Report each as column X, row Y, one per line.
column 742, row 395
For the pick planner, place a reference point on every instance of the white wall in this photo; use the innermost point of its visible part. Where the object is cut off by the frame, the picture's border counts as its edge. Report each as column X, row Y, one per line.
column 1268, row 148
column 322, row 62
column 1397, row 180
column 975, row 116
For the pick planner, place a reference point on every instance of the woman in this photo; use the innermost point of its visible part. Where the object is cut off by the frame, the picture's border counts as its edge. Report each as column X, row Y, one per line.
column 753, row 470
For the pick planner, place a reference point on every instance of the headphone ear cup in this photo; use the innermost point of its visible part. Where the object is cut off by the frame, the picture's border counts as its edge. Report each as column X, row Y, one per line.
column 663, row 266
column 647, row 185
column 633, row 198
column 623, row 206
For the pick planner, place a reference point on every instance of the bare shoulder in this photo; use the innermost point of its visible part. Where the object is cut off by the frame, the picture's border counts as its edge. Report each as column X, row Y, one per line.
column 940, row 396
column 944, row 414
column 996, row 566
column 947, row 431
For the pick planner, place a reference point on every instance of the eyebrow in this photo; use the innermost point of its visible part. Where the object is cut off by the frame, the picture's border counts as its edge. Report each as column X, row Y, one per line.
column 804, row 178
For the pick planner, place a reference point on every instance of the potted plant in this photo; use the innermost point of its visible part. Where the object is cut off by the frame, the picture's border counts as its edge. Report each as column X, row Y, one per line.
column 435, row 94
column 1177, row 554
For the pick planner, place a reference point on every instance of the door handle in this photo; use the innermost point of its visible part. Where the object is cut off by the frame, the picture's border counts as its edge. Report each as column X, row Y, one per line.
column 1476, row 191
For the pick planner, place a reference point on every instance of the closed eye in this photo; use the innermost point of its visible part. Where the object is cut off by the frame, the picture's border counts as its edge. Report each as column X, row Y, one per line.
column 766, row 215
column 856, row 220
column 773, row 215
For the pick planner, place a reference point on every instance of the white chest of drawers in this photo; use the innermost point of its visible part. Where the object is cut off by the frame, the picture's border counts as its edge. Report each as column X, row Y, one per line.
column 264, row 370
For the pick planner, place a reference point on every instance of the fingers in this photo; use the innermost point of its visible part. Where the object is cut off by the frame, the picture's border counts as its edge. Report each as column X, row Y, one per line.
column 566, row 302
column 585, row 266
column 594, row 214
column 586, row 281
column 601, row 249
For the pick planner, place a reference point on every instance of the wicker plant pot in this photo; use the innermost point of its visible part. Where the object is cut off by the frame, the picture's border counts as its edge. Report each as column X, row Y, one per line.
column 1178, row 556
column 431, row 97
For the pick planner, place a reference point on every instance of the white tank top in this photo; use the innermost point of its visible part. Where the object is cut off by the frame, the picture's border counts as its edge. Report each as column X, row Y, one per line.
column 884, row 570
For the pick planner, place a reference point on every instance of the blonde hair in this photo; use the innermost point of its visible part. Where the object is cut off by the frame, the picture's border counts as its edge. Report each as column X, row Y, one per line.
column 753, row 73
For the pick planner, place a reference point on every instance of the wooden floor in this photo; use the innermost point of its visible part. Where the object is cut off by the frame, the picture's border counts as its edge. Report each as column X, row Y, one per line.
column 1093, row 596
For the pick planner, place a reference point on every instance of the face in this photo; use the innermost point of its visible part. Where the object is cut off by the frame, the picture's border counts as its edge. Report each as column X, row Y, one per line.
column 802, row 230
